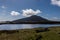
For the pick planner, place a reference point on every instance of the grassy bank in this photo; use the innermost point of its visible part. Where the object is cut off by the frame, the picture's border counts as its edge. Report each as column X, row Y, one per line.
column 52, row 33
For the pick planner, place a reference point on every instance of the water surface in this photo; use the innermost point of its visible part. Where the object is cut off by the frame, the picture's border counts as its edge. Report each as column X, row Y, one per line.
column 24, row 26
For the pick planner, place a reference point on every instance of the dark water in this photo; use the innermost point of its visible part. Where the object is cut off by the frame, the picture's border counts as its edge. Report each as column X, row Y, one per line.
column 24, row 26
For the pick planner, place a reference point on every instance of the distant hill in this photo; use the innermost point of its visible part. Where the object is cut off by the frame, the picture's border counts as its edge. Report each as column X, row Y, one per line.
column 32, row 19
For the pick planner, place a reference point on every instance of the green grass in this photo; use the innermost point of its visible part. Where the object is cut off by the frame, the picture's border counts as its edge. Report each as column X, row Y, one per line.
column 52, row 33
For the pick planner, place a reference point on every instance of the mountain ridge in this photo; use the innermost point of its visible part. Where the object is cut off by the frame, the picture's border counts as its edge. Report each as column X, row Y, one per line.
column 32, row 20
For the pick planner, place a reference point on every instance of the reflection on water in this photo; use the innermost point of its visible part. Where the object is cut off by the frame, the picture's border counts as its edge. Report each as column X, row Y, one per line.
column 24, row 26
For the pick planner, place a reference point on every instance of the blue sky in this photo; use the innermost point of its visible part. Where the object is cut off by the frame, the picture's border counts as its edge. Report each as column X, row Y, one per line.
column 17, row 9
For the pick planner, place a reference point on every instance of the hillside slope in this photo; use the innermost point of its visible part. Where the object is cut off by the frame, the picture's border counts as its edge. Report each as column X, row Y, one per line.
column 32, row 19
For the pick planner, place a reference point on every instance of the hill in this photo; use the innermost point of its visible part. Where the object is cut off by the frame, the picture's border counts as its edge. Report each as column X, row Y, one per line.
column 52, row 33
column 33, row 19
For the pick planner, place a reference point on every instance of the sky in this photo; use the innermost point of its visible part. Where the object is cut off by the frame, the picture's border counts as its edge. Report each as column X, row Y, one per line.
column 17, row 9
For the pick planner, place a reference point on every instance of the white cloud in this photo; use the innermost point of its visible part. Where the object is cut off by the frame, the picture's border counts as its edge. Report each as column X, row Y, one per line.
column 3, row 6
column 55, row 2
column 14, row 13
column 55, row 19
column 30, row 12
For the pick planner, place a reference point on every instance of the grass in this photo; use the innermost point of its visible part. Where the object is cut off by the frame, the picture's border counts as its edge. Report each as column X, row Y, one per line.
column 52, row 33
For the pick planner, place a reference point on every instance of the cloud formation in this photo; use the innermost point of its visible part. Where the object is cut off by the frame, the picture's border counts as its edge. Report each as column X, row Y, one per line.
column 3, row 6
column 55, row 2
column 30, row 12
column 14, row 13
column 55, row 19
